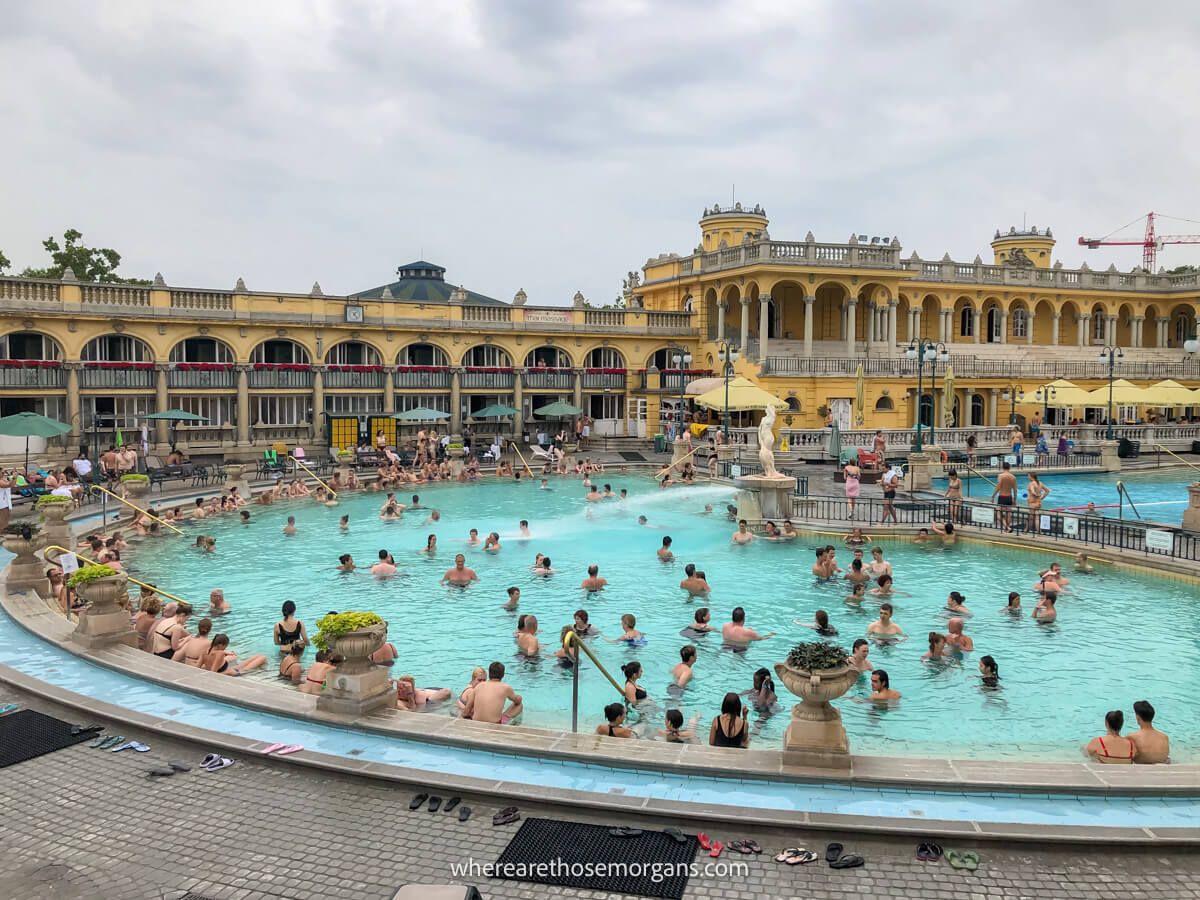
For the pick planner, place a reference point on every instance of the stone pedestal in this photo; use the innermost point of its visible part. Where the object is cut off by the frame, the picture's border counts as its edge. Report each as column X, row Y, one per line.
column 816, row 736
column 55, row 529
column 26, row 572
column 357, row 686
column 1191, row 515
column 235, row 476
column 679, row 449
column 1109, row 460
column 135, row 490
column 761, row 498
column 104, row 622
column 455, row 455
column 920, row 474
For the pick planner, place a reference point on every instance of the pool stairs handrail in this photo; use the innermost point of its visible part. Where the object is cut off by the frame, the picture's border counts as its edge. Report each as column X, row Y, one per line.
column 317, row 477
column 517, row 450
column 1163, row 449
column 1122, row 496
column 145, row 512
column 92, row 562
column 572, row 644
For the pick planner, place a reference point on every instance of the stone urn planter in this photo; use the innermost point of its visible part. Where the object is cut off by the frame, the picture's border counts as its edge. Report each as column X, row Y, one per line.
column 104, row 621
column 54, row 523
column 1191, row 515
column 356, row 685
column 26, row 572
column 816, row 736
column 233, row 472
column 133, row 490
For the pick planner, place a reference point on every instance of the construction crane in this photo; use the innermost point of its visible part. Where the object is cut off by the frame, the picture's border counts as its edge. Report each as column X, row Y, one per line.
column 1150, row 244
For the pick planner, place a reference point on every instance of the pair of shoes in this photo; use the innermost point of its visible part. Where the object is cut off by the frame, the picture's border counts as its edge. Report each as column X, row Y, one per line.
column 129, row 745
column 796, row 856
column 929, row 852
column 838, row 860
column 625, row 832
column 713, row 847
column 214, row 761
column 506, row 816
column 747, row 846
column 963, row 859
column 169, row 769
column 108, row 742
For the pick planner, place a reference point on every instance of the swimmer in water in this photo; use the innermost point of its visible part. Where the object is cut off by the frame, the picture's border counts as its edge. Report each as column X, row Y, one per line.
column 957, row 639
column 433, row 518
column 344, row 524
column 937, row 647
column 430, row 545
column 878, row 565
column 682, row 673
column 858, row 656
column 736, row 633
column 1082, row 564
column 856, row 538
column 857, row 594
column 593, row 582
column 345, row 563
column 956, row 603
column 674, row 732
column 881, row 689
column 492, row 544
column 460, row 575
column 385, row 568
column 946, row 533
column 772, row 531
column 290, row 527
column 629, row 632
column 523, row 530
column 922, row 537
column 789, row 531
column 989, row 672
column 473, row 537
column 695, row 585
column 1045, row 611
column 514, row 597
column 581, row 626
column 884, row 588
column 527, row 642
column 700, row 621
column 884, row 627
column 857, row 574
column 544, row 568
column 1055, row 571
column 1014, row 604
column 593, row 495
column 664, row 552
column 743, row 535
column 821, row 624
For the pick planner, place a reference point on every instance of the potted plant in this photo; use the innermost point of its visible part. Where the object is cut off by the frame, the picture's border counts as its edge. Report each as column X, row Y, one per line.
column 455, row 449
column 23, row 540
column 135, row 485
column 817, row 672
column 53, row 510
column 100, row 587
column 354, row 635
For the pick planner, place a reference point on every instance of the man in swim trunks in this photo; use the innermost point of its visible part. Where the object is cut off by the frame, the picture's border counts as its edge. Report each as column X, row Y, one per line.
column 487, row 702
column 1044, row 611
column 735, row 631
column 884, row 626
column 593, row 582
column 384, row 568
column 1004, row 494
column 664, row 552
column 956, row 638
column 694, row 585
column 1152, row 745
column 527, row 641
column 593, row 495
column 514, row 597
column 858, row 656
column 460, row 574
column 743, row 535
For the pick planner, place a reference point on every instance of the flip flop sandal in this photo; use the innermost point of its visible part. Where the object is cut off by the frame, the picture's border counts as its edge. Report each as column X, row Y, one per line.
column 128, row 745
column 717, row 847
column 161, row 772
column 740, row 847
column 435, row 803
column 287, row 751
column 625, row 832
column 751, row 846
column 676, row 835
column 100, row 740
column 85, row 729
column 111, row 741
column 705, row 843
column 508, row 819
column 269, row 750
column 929, row 852
column 464, row 813
column 209, row 759
column 804, row 857
column 833, row 853
column 453, row 802
column 8, row 708
column 849, row 861
column 786, row 852
column 222, row 762
column 179, row 766
column 418, row 801
column 963, row 859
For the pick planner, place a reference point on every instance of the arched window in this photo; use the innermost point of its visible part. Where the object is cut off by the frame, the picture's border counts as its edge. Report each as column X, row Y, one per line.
column 793, row 404
column 547, row 358
column 1020, row 323
column 487, row 356
column 667, row 358
column 966, row 322
column 976, row 409
column 605, row 358
column 117, row 348
column 1098, row 324
column 353, row 353
column 884, row 404
column 29, row 345
column 280, row 353
column 201, row 350
column 422, row 355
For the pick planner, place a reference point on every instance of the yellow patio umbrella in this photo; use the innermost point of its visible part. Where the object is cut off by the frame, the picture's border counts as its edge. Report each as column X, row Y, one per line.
column 860, row 396
column 744, row 394
column 948, row 395
column 1061, row 392
column 1124, row 393
column 1172, row 393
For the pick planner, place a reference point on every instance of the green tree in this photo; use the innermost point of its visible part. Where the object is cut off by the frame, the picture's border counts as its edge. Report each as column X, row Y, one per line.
column 4, row 263
column 1183, row 270
column 97, row 264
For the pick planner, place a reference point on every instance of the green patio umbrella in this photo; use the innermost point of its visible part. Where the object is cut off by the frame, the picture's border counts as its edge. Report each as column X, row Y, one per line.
column 29, row 424
column 495, row 411
column 558, row 410
column 169, row 415
column 421, row 414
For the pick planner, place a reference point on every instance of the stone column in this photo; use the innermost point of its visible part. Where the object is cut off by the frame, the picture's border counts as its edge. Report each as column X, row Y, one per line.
column 1003, row 326
column 977, row 322
column 1110, row 330
column 318, row 400
column 993, row 406
column 944, row 329
column 1030, row 327
column 764, row 324
column 872, row 317
column 809, row 302
column 745, row 335
column 519, row 403
column 243, row 406
column 965, row 419
column 1054, row 328
column 456, row 400
column 851, row 325
column 721, row 320
column 162, row 402
column 891, row 329
column 1084, row 329
column 914, row 324
column 389, row 392
column 577, row 389
column 74, row 407
column 1135, row 327
column 1161, row 322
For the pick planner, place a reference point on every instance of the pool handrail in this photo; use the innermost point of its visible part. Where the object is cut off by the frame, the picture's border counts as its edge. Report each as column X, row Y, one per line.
column 573, row 638
column 517, row 450
column 687, row 455
column 1163, row 449
column 145, row 512
column 1122, row 496
column 92, row 562
column 318, row 478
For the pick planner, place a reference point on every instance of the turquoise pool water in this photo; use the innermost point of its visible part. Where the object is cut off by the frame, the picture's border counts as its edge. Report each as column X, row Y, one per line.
column 1160, row 496
column 1119, row 638
column 28, row 654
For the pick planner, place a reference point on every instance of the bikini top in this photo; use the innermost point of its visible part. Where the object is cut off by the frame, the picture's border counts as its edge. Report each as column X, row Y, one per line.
column 285, row 636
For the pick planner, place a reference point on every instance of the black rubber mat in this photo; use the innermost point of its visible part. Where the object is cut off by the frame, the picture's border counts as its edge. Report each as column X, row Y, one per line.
column 631, row 456
column 587, row 857
column 26, row 734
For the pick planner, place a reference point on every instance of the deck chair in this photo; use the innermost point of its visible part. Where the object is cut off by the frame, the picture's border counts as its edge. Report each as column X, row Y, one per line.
column 539, row 453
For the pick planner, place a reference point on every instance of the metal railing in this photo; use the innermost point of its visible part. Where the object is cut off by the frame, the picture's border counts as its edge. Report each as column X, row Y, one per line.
column 572, row 641
column 91, row 562
column 736, row 468
column 969, row 366
column 145, row 512
column 319, row 480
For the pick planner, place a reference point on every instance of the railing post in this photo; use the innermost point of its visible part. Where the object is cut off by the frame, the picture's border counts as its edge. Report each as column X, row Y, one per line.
column 575, row 686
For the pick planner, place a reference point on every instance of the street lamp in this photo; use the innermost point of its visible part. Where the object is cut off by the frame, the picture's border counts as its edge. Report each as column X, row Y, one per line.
column 682, row 358
column 925, row 351
column 1014, row 395
column 728, row 355
column 1191, row 345
column 1044, row 395
column 1110, row 355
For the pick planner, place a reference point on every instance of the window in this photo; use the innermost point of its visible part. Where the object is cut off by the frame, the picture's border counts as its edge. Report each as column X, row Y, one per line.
column 605, row 358
column 405, row 402
column 606, row 406
column 966, row 322
column 51, row 407
column 794, row 404
column 116, row 348
column 282, row 410
column 422, row 355
column 280, row 353
column 352, row 404
column 1020, row 323
column 118, row 412
column 976, row 409
column 353, row 353
column 202, row 350
column 216, row 411
column 884, row 404
column 543, row 357
column 1098, row 327
column 488, row 356
column 28, row 345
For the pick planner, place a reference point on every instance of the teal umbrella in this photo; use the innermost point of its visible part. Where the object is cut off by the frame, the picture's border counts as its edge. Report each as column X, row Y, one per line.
column 495, row 411
column 29, row 424
column 421, row 414
column 558, row 410
column 172, row 416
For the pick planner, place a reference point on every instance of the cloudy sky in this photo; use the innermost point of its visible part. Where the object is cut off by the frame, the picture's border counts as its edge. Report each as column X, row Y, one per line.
column 554, row 146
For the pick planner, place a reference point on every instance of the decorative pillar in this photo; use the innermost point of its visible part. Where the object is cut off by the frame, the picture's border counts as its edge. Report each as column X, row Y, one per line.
column 243, row 406
column 1110, row 331
column 721, row 307
column 966, row 420
column 1162, row 322
column 74, row 407
column 891, row 327
column 1004, row 326
column 809, row 301
column 389, row 392
column 519, row 401
column 764, row 324
column 993, row 406
column 1054, row 328
column 318, row 399
column 872, row 318
column 976, row 321
column 914, row 324
column 745, row 324
column 577, row 389
column 1030, row 326
column 1135, row 327
column 946, row 326
column 456, row 400
column 1081, row 329
column 851, row 324
column 161, row 402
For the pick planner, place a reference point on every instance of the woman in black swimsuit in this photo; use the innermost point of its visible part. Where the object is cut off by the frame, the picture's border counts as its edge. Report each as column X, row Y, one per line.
column 289, row 630
column 615, row 714
column 633, row 671
column 729, row 728
column 170, row 632
column 290, row 666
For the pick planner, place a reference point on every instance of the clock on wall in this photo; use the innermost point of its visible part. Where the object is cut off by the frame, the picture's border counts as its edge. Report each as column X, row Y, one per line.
column 354, row 313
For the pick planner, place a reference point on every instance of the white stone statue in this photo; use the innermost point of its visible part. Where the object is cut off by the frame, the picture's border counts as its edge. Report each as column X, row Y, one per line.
column 766, row 444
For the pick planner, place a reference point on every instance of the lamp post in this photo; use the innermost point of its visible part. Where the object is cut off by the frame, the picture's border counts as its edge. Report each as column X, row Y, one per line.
column 1014, row 394
column 1110, row 355
column 728, row 355
column 682, row 358
column 924, row 351
column 1044, row 395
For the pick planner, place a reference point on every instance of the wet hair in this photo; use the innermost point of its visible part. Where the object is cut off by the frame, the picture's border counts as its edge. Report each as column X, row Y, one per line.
column 883, row 606
column 675, row 718
column 614, row 711
column 289, row 608
column 731, row 705
column 496, row 670
column 820, row 551
column 203, row 627
column 667, row 541
column 700, row 615
column 1051, row 597
column 953, row 473
column 1114, row 719
column 763, row 677
column 545, row 562
column 688, row 652
column 344, row 558
column 949, row 527
column 689, row 570
column 593, row 570
column 525, row 523
column 182, row 608
column 741, row 521
column 151, row 605
column 296, row 649
column 291, row 520
column 1013, row 595
column 581, row 614
column 383, row 555
column 859, row 642
column 990, row 664
column 513, row 590
column 632, row 670
column 1144, row 711
column 957, row 597
column 884, row 579
column 702, row 576
column 857, row 565
column 738, row 615
column 923, row 531
column 935, row 637
column 629, row 620
column 521, row 621
column 220, row 640
column 882, row 675
column 822, row 618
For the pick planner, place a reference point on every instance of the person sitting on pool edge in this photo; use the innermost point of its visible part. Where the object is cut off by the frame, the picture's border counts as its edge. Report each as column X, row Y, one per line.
column 486, row 702
column 1110, row 748
column 614, row 713
column 1152, row 745
column 220, row 660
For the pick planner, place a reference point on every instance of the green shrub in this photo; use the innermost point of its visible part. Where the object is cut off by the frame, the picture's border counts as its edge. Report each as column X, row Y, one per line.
column 51, row 499
column 817, row 655
column 336, row 624
column 134, row 477
column 88, row 574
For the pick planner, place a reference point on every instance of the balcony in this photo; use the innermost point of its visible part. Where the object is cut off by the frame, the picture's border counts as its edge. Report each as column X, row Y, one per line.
column 488, row 379
column 267, row 375
column 604, row 379
column 550, row 379
column 32, row 373
column 118, row 375
column 203, row 376
column 434, row 377
column 355, row 377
